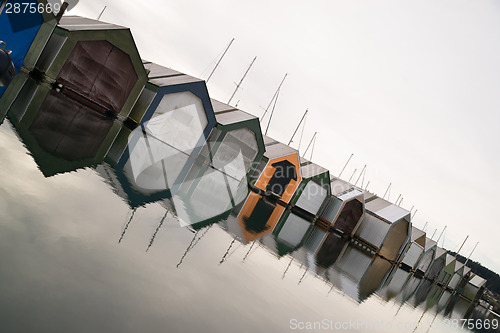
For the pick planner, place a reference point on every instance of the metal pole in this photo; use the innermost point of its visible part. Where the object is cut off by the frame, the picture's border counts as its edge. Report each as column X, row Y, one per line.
column 340, row 174
column 272, row 112
column 218, row 62
column 465, row 264
column 434, row 233
column 396, row 202
column 291, row 139
column 312, row 150
column 441, row 234
column 241, row 81
column 99, row 17
column 274, row 96
column 363, row 180
column 456, row 254
column 352, row 175
column 302, row 133
column 314, row 136
column 388, row 187
column 356, row 183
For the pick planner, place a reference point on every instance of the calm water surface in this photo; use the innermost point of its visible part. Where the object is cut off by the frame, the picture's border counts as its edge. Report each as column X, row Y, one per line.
column 63, row 269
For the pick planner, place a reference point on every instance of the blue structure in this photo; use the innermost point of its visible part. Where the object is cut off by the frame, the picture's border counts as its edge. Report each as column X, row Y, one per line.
column 19, row 31
column 171, row 122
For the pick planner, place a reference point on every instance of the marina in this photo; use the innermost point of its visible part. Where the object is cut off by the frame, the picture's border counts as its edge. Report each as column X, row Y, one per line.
column 110, row 156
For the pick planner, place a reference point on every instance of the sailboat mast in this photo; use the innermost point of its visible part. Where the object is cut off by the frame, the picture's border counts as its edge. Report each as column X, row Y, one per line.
column 309, row 145
column 456, row 254
column 275, row 96
column 465, row 264
column 340, row 174
column 388, row 188
column 437, row 242
column 291, row 139
column 218, row 62
column 434, row 233
column 359, row 177
column 241, row 81
column 102, row 12
column 272, row 112
column 312, row 150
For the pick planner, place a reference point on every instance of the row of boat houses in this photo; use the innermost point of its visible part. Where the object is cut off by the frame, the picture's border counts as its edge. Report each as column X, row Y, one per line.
column 81, row 95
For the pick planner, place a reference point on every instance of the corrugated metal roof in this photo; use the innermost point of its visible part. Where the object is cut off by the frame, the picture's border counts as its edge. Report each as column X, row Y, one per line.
column 377, row 204
column 72, row 23
column 458, row 265
column 418, row 236
column 354, row 193
column 172, row 80
column 387, row 210
column 429, row 243
column 477, row 281
column 340, row 187
column 394, row 213
column 221, row 107
column 276, row 149
column 369, row 196
column 439, row 252
column 234, row 116
column 157, row 71
column 268, row 141
column 311, row 170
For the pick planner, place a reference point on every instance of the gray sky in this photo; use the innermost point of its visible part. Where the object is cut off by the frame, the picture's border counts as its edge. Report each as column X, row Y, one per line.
column 409, row 87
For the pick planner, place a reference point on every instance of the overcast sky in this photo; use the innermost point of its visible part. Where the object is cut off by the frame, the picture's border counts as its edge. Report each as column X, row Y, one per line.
column 410, row 87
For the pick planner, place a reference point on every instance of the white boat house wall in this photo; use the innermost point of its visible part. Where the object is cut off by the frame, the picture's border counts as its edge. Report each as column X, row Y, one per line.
column 457, row 276
column 342, row 213
column 449, row 269
column 297, row 222
column 437, row 265
column 90, row 75
column 279, row 179
column 171, row 120
column 427, row 257
column 460, row 278
column 415, row 248
column 385, row 227
column 344, row 209
column 217, row 183
column 474, row 288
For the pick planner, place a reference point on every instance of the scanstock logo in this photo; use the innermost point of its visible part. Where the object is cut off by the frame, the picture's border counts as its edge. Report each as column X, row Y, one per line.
column 23, row 14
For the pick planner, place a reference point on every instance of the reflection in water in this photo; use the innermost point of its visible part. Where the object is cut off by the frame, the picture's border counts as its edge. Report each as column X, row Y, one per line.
column 340, row 262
